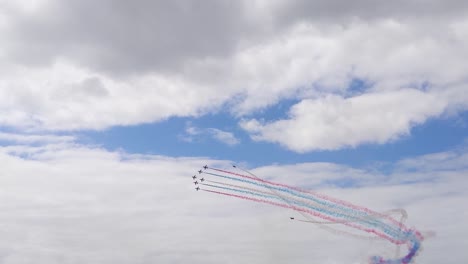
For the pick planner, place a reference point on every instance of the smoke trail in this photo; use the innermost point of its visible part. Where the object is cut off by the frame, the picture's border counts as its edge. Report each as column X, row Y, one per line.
column 332, row 210
column 402, row 212
column 320, row 224
column 323, row 197
column 369, row 230
column 373, row 214
column 288, row 190
column 289, row 201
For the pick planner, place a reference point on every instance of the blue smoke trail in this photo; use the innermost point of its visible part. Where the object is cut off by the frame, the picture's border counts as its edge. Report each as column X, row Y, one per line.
column 389, row 230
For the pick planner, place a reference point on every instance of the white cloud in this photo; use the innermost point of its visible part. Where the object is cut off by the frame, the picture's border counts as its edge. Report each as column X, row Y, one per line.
column 70, row 203
column 195, row 133
column 65, row 97
column 334, row 122
column 223, row 136
column 82, row 74
column 441, row 161
column 32, row 138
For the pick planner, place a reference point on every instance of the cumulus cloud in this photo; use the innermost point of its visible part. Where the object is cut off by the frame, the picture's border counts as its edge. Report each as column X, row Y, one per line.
column 368, row 9
column 33, row 138
column 456, row 159
column 194, row 133
column 84, row 65
column 224, row 136
column 333, row 122
column 74, row 203
column 121, row 37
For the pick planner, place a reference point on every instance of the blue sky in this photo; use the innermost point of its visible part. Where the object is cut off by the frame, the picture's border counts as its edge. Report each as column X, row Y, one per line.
column 166, row 138
column 108, row 107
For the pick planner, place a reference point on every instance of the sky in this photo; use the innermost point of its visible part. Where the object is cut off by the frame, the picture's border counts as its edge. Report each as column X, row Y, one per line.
column 108, row 108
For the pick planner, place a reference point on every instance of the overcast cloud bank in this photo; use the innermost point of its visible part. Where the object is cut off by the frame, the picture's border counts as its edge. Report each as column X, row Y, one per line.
column 68, row 203
column 82, row 66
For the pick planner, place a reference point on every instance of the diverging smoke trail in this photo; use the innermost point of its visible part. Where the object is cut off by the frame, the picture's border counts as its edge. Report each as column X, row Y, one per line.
column 308, row 203
column 337, row 210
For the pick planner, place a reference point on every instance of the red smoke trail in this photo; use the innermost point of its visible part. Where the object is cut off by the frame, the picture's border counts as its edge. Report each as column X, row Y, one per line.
column 373, row 231
column 324, row 197
column 240, row 187
column 356, row 218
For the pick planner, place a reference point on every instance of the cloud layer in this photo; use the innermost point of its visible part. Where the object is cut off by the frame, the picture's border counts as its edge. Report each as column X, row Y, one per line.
column 333, row 122
column 84, row 65
column 194, row 134
column 68, row 203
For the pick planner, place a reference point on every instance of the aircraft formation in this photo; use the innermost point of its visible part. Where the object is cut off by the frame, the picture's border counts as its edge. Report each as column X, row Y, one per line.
column 194, row 177
column 202, row 179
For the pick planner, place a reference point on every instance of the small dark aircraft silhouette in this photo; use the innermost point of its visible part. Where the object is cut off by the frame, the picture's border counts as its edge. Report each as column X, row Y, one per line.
column 205, row 167
column 195, row 182
column 194, row 177
column 198, row 188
